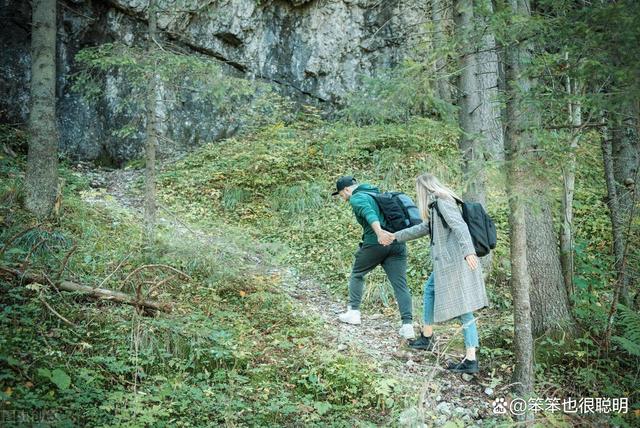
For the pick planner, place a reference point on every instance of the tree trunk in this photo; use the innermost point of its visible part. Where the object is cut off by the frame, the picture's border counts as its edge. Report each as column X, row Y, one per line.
column 469, row 103
column 41, row 179
column 618, row 233
column 487, row 76
column 152, row 137
column 549, row 302
column 621, row 145
column 625, row 157
column 523, row 375
column 566, row 234
column 477, row 96
column 438, row 13
column 551, row 269
column 519, row 121
column 568, row 190
column 550, row 309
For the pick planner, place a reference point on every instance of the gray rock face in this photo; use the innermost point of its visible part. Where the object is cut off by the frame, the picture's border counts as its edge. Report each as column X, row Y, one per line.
column 314, row 50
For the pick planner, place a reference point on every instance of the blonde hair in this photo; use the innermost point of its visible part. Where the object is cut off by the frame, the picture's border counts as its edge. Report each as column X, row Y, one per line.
column 427, row 188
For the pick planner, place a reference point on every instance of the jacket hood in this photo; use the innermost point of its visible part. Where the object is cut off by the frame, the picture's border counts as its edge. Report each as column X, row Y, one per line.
column 365, row 187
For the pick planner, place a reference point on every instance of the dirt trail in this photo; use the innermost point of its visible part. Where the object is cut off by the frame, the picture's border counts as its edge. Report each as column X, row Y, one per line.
column 445, row 395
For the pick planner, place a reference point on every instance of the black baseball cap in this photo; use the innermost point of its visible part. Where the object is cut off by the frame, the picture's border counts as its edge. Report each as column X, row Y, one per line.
column 344, row 181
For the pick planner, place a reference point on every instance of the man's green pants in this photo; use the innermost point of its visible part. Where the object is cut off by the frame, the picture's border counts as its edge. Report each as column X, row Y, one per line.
column 393, row 259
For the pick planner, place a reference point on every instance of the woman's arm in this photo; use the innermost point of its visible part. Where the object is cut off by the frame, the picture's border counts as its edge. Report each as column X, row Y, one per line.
column 451, row 214
column 413, row 232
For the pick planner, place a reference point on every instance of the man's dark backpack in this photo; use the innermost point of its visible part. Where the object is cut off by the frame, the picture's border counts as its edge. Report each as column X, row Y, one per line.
column 481, row 226
column 398, row 210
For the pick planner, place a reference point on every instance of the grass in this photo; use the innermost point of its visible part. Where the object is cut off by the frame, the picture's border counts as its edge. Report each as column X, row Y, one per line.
column 286, row 173
column 233, row 353
column 278, row 181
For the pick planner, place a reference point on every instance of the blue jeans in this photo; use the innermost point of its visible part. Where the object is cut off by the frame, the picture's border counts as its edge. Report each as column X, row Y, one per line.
column 469, row 329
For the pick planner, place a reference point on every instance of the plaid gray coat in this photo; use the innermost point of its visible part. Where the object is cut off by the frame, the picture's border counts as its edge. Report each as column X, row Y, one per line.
column 458, row 289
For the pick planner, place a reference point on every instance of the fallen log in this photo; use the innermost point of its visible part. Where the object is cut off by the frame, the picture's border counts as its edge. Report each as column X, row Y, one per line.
column 99, row 293
column 116, row 296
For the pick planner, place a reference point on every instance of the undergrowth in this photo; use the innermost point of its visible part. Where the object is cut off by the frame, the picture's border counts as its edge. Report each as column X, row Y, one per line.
column 233, row 352
column 277, row 183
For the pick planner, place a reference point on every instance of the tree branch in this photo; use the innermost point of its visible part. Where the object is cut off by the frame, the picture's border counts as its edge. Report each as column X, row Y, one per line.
column 99, row 293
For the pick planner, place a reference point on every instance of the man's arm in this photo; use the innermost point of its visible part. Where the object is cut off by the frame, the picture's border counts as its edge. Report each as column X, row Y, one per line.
column 377, row 228
column 362, row 207
column 384, row 237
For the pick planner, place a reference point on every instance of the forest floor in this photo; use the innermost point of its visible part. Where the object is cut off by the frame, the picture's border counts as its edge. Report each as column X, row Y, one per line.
column 443, row 395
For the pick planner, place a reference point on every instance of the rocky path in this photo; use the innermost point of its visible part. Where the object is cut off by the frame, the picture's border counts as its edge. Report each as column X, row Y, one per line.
column 444, row 396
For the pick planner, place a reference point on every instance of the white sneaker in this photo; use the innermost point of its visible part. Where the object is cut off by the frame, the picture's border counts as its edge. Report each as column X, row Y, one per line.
column 352, row 316
column 406, row 331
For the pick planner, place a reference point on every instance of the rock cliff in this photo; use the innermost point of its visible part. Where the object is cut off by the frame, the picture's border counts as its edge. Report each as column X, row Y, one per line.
column 313, row 50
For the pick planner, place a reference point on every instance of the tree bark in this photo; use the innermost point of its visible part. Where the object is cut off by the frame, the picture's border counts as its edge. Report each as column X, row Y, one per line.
column 478, row 109
column 617, row 230
column 469, row 103
column 550, row 309
column 519, row 118
column 41, row 179
column 116, row 296
column 568, row 190
column 523, row 375
column 152, row 136
column 487, row 76
column 438, row 13
column 620, row 154
column 625, row 159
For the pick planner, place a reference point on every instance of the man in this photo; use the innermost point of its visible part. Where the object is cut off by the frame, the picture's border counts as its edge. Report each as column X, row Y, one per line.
column 392, row 258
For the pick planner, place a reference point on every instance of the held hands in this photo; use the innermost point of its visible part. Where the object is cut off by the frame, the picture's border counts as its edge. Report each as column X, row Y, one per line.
column 385, row 238
column 472, row 261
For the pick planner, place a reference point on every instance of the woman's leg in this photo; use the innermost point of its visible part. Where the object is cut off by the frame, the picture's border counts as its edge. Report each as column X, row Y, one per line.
column 427, row 327
column 470, row 333
column 425, row 341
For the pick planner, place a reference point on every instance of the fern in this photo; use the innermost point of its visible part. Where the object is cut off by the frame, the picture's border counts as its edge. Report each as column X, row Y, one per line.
column 630, row 323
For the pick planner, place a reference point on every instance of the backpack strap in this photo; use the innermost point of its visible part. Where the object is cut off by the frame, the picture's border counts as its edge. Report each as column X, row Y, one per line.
column 373, row 196
column 434, row 205
column 369, row 193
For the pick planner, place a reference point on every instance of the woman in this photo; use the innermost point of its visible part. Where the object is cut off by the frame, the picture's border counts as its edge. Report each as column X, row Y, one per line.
column 455, row 288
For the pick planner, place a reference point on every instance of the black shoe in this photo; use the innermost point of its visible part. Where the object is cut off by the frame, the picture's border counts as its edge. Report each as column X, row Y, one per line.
column 423, row 342
column 466, row 366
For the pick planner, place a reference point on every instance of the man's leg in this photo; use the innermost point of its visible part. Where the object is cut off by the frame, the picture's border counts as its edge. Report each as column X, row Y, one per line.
column 367, row 258
column 395, row 265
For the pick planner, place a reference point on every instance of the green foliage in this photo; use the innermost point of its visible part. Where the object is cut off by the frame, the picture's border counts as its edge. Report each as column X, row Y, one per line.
column 234, row 352
column 279, row 181
column 590, row 45
column 396, row 96
column 58, row 377
column 629, row 322
column 592, row 233
column 12, row 138
column 180, row 78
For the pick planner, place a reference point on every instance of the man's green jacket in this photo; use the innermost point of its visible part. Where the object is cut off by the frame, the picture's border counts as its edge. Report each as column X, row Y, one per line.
column 367, row 211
